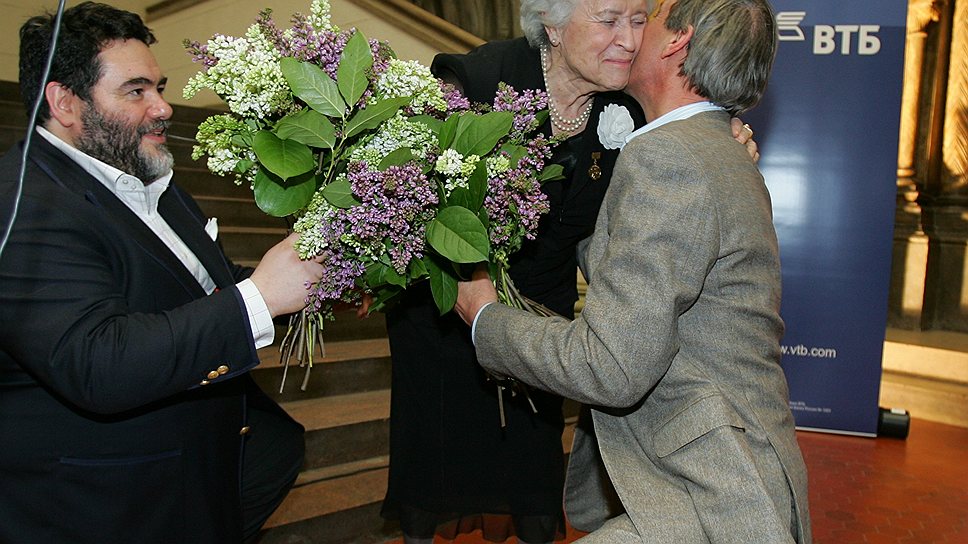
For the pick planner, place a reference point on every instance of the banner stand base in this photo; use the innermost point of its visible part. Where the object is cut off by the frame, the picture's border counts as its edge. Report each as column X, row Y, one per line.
column 893, row 423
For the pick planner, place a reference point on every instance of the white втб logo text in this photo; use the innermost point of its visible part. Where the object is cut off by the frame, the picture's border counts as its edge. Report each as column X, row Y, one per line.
column 826, row 38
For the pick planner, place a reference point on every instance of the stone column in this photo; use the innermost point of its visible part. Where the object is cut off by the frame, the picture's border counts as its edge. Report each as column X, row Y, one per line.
column 945, row 204
column 909, row 263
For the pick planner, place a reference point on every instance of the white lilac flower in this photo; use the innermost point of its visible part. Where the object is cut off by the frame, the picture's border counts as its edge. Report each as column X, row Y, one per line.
column 223, row 161
column 247, row 75
column 319, row 16
column 449, row 162
column 393, row 134
column 311, row 242
column 410, row 78
column 469, row 165
column 451, row 183
column 217, row 138
column 497, row 165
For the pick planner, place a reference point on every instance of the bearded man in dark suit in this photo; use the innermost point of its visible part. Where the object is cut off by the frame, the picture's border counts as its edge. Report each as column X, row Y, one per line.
column 676, row 352
column 127, row 413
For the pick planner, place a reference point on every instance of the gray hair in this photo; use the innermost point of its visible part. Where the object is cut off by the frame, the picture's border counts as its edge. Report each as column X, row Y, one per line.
column 536, row 14
column 731, row 51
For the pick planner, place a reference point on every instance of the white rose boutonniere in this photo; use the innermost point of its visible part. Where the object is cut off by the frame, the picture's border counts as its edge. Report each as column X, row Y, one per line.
column 614, row 124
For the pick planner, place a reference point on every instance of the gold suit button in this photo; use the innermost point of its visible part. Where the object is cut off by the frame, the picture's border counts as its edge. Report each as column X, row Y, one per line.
column 223, row 369
column 213, row 374
column 244, row 430
column 203, row 382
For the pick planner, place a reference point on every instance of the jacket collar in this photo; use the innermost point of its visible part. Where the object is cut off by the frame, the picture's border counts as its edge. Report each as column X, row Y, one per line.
column 187, row 223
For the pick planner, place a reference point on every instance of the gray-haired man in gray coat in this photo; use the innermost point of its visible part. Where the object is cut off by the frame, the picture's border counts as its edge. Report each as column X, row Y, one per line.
column 677, row 349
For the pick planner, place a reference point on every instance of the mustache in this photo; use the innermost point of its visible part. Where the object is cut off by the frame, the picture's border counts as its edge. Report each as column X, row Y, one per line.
column 161, row 125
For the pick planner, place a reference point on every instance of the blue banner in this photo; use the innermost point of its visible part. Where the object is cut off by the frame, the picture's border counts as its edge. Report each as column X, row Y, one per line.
column 828, row 133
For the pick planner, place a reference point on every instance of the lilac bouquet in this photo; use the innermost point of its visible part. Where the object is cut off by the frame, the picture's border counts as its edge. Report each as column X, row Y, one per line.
column 388, row 173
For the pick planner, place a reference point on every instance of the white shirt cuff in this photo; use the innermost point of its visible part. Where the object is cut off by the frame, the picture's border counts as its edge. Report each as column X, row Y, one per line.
column 474, row 324
column 260, row 321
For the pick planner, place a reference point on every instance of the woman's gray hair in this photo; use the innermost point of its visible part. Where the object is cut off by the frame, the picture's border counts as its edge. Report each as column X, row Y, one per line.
column 536, row 14
column 731, row 51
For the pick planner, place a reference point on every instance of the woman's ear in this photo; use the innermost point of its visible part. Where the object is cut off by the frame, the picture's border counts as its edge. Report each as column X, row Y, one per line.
column 554, row 36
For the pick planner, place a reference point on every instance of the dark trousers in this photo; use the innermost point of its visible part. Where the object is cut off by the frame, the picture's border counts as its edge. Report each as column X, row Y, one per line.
column 272, row 458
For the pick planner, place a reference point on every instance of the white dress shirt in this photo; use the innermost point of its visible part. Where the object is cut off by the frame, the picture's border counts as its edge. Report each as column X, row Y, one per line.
column 142, row 200
column 678, row 114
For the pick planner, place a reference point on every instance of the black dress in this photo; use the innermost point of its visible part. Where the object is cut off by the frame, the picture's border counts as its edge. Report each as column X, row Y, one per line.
column 453, row 468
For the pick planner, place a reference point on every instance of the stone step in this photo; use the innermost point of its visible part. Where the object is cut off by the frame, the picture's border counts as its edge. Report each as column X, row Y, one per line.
column 238, row 212
column 343, row 428
column 356, row 359
column 341, row 503
column 194, row 177
column 326, row 378
column 249, row 243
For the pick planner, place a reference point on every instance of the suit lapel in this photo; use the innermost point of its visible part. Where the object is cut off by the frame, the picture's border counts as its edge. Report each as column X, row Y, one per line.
column 191, row 229
column 66, row 173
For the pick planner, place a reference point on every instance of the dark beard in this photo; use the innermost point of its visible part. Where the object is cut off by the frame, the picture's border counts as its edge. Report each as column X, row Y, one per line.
column 113, row 142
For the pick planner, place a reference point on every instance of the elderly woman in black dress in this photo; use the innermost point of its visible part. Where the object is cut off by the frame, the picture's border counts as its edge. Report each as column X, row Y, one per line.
column 453, row 467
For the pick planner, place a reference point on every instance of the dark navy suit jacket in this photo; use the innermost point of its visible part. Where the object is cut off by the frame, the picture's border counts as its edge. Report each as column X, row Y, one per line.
column 111, row 428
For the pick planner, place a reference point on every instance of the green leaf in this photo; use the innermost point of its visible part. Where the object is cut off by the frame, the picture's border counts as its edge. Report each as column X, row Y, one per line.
column 309, row 127
column 472, row 197
column 397, row 157
column 395, row 278
column 541, row 117
column 477, row 186
column 460, row 196
column 371, row 116
column 417, row 269
column 379, row 274
column 375, row 275
column 314, row 86
column 284, row 158
column 448, row 130
column 354, row 63
column 551, row 172
column 383, row 297
column 443, row 286
column 478, row 134
column 242, row 140
column 515, row 153
column 243, row 166
column 280, row 198
column 458, row 235
column 485, row 219
column 340, row 194
column 431, row 122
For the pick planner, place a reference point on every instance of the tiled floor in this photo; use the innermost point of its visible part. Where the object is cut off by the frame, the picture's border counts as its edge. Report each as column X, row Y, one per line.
column 889, row 490
column 881, row 490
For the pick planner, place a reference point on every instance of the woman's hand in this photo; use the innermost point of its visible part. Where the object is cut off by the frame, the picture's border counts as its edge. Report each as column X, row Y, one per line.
column 744, row 135
column 364, row 309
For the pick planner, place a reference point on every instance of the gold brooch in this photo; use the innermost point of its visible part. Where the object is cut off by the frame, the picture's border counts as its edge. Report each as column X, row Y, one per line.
column 595, row 171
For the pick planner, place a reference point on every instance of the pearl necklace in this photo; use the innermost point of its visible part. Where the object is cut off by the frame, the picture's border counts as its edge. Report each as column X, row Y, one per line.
column 562, row 124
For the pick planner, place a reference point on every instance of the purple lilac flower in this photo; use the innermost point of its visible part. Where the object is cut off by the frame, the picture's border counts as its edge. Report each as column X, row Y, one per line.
column 514, row 202
column 523, row 105
column 395, row 207
column 199, row 53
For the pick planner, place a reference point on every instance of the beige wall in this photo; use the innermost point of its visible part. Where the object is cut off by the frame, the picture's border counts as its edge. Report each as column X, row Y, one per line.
column 17, row 11
column 199, row 23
